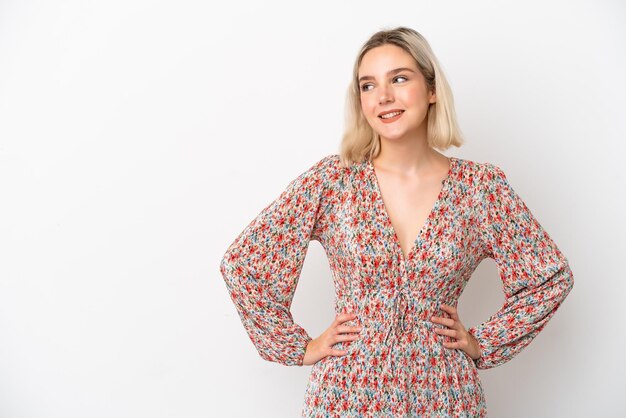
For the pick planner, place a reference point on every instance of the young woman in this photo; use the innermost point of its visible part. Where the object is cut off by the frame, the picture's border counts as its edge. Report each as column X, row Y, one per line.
column 404, row 227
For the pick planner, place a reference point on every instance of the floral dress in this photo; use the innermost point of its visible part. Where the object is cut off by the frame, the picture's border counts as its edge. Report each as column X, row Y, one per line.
column 399, row 366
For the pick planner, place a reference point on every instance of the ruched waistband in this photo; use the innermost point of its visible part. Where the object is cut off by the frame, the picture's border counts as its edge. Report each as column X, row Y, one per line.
column 402, row 307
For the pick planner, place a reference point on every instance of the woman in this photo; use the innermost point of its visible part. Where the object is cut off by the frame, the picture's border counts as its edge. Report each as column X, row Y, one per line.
column 403, row 227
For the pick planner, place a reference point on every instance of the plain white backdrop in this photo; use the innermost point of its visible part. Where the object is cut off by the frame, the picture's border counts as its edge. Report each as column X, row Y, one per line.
column 139, row 137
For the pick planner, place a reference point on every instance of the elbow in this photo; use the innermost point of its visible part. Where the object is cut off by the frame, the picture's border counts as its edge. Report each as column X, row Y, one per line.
column 570, row 279
column 229, row 269
column 225, row 266
column 228, row 261
column 224, row 263
column 567, row 280
column 569, row 276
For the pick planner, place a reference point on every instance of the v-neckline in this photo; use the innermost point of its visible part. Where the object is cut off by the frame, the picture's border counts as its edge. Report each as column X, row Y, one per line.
column 435, row 208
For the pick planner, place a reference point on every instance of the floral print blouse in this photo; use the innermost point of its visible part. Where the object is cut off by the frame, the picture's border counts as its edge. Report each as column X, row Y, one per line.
column 399, row 366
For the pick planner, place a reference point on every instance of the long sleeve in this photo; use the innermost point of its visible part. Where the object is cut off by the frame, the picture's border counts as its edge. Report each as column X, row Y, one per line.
column 262, row 266
column 535, row 275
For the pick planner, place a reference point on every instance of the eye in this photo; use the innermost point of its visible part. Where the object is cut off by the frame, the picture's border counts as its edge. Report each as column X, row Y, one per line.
column 400, row 76
column 364, row 86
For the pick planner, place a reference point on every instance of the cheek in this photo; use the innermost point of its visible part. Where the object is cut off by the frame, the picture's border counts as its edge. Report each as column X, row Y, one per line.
column 368, row 106
column 414, row 97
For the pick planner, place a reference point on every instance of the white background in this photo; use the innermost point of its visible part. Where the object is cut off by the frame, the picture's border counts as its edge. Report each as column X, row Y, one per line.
column 139, row 137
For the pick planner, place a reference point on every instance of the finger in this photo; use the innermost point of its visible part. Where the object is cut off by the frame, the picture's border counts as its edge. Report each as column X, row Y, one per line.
column 445, row 321
column 347, row 337
column 451, row 344
column 335, row 352
column 347, row 328
column 349, row 316
column 336, row 338
column 447, row 308
column 449, row 332
column 450, row 309
column 344, row 316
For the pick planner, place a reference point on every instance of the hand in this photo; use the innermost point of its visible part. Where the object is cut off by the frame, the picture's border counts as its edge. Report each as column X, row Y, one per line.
column 320, row 347
column 464, row 340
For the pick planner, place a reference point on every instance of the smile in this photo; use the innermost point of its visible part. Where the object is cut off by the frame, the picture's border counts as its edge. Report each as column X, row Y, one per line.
column 391, row 117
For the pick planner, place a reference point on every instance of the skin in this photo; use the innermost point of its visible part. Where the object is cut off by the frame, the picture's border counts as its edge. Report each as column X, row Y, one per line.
column 322, row 346
column 409, row 171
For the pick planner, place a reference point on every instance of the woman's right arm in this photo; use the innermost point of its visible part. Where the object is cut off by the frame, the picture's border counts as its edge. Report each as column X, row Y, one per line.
column 261, row 268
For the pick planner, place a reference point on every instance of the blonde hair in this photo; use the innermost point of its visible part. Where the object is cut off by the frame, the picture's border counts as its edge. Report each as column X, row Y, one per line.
column 359, row 140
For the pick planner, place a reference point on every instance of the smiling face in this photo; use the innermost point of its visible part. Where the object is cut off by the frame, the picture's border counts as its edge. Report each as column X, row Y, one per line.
column 391, row 85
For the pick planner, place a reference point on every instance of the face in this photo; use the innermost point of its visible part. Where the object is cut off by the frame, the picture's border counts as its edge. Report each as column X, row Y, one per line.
column 384, row 89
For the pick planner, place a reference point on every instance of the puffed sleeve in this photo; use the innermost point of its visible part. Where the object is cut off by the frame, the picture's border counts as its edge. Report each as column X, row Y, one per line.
column 536, row 276
column 262, row 266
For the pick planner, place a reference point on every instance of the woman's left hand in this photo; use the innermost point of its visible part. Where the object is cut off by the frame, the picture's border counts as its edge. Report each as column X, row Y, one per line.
column 464, row 340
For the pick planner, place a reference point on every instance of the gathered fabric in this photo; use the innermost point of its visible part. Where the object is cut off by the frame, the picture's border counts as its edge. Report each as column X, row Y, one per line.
column 398, row 367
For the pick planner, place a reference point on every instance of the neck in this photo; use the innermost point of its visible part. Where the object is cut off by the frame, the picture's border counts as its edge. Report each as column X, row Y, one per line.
column 408, row 156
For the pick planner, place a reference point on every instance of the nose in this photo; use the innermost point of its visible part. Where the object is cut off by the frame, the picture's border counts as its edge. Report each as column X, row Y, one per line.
column 386, row 95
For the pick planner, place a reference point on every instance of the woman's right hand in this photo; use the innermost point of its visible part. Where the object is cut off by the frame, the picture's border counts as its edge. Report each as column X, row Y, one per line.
column 320, row 347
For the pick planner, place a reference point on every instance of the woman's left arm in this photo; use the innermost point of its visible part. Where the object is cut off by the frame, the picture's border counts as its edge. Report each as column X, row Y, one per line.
column 536, row 276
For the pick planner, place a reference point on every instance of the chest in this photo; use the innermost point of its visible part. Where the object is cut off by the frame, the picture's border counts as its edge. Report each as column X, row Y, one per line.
column 408, row 205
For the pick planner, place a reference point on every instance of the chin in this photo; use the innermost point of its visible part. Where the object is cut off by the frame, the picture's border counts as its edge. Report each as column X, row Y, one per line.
column 393, row 136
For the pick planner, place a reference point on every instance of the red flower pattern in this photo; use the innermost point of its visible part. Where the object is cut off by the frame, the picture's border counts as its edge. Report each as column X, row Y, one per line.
column 398, row 367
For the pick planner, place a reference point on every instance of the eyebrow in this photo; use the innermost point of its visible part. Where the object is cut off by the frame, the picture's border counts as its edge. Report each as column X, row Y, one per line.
column 394, row 71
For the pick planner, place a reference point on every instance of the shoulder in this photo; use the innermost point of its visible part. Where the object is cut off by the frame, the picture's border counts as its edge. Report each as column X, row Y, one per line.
column 481, row 173
column 322, row 173
column 329, row 162
column 480, row 178
column 328, row 168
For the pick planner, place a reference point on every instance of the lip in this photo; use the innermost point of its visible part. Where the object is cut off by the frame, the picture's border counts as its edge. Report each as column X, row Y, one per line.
column 390, row 111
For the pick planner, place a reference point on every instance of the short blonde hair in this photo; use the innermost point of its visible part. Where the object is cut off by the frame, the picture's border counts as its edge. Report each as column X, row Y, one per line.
column 359, row 140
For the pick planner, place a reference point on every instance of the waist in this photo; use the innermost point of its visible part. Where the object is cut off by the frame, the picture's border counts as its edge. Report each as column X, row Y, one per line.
column 402, row 309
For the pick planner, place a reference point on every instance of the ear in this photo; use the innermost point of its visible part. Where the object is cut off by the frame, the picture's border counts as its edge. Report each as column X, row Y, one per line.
column 433, row 96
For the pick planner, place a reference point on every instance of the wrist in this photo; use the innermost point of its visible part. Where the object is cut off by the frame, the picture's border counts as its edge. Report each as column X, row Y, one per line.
column 477, row 348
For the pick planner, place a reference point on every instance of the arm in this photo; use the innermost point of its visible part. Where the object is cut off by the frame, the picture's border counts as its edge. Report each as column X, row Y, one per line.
column 262, row 266
column 535, row 275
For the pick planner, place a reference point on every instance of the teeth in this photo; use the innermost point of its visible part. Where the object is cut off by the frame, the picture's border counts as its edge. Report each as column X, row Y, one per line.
column 390, row 115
